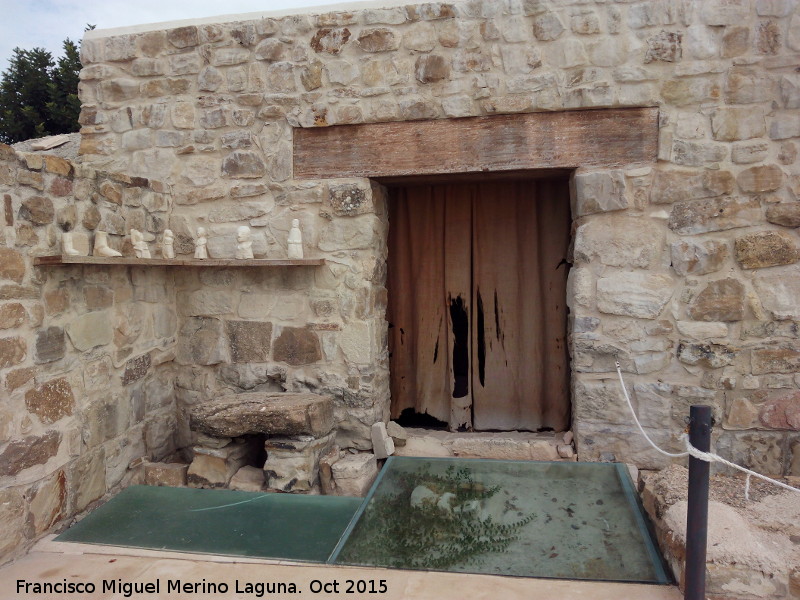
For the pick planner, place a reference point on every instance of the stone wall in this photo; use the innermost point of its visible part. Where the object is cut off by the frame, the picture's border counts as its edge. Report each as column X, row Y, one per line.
column 297, row 329
column 685, row 269
column 85, row 352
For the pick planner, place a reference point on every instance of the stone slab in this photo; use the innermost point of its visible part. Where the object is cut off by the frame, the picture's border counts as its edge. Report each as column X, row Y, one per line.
column 46, row 143
column 269, row 413
column 382, row 444
column 508, row 445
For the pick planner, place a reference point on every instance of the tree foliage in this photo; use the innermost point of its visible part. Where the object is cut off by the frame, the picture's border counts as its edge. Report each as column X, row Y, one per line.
column 38, row 95
column 64, row 105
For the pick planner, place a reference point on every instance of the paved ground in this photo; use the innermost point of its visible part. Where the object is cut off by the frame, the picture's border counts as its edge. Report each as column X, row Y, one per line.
column 59, row 562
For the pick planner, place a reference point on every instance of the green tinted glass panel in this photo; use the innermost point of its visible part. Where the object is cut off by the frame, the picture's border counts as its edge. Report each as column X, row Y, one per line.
column 287, row 526
column 561, row 520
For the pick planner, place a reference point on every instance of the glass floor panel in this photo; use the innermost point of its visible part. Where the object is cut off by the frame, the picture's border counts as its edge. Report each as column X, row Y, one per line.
column 226, row 522
column 530, row 519
column 534, row 519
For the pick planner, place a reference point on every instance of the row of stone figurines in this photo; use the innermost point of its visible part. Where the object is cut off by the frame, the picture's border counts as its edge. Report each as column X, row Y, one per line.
column 74, row 244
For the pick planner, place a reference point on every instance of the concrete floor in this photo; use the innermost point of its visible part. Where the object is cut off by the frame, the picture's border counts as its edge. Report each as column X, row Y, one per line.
column 52, row 562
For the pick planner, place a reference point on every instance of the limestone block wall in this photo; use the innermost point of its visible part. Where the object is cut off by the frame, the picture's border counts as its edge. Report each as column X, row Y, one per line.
column 686, row 268
column 318, row 329
column 85, row 351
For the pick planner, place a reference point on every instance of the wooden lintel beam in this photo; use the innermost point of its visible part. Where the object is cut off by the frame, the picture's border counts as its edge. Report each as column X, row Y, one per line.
column 519, row 142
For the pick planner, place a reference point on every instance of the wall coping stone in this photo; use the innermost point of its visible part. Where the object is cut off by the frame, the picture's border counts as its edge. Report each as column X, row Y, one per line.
column 99, row 34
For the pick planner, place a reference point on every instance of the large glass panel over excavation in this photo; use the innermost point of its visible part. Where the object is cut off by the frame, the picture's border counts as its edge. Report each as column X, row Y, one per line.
column 534, row 519
column 523, row 518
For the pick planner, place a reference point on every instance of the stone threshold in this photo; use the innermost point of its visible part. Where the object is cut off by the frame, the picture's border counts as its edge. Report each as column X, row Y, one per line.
column 505, row 445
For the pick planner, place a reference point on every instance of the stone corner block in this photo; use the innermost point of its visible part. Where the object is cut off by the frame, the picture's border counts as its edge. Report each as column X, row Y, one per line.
column 618, row 240
column 354, row 474
column 599, row 191
column 633, row 294
column 202, row 341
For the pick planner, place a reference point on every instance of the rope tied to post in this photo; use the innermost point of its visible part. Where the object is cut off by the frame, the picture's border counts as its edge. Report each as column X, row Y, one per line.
column 711, row 457
column 694, row 452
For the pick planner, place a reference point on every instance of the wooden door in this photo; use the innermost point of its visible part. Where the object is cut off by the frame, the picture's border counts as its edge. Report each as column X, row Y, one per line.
column 477, row 285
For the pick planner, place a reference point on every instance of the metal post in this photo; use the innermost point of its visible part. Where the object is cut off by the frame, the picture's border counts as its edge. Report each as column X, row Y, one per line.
column 697, row 510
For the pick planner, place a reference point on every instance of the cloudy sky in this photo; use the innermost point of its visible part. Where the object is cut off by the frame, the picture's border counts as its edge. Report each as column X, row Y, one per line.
column 46, row 23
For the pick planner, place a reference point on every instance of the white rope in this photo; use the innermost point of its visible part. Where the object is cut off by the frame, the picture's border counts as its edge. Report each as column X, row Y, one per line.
column 711, row 457
column 694, row 452
column 639, row 425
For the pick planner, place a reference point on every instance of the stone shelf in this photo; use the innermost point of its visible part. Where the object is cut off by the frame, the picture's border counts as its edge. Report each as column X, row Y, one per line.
column 58, row 260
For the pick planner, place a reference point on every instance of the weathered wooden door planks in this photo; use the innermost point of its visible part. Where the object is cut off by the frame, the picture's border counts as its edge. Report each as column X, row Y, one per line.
column 477, row 284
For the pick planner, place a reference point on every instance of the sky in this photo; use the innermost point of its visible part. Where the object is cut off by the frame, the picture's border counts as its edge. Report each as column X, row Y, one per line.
column 47, row 23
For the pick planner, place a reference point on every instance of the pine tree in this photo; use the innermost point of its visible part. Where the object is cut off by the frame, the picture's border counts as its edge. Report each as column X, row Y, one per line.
column 64, row 106
column 38, row 96
column 24, row 93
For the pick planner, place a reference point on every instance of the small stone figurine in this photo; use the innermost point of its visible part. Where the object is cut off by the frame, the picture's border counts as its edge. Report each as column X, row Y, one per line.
column 167, row 249
column 101, row 247
column 295, row 241
column 140, row 247
column 200, row 250
column 75, row 243
column 244, row 245
column 67, row 246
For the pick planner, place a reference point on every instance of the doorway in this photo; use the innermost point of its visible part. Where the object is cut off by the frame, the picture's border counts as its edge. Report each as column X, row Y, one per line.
column 477, row 303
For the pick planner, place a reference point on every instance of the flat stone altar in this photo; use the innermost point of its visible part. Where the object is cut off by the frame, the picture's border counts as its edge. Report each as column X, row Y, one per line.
column 296, row 429
column 265, row 413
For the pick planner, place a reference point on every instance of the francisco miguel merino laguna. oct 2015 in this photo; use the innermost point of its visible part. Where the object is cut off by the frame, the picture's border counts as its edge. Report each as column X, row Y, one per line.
column 129, row 588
